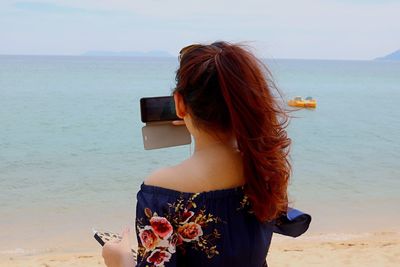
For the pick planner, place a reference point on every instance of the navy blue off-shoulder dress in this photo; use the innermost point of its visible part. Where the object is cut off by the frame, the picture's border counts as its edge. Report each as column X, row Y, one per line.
column 215, row 228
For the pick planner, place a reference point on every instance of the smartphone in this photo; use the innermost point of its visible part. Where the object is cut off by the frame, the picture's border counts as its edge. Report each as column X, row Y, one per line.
column 104, row 236
column 158, row 113
column 160, row 108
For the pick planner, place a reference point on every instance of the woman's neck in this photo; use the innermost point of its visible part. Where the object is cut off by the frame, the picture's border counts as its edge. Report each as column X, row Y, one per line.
column 204, row 141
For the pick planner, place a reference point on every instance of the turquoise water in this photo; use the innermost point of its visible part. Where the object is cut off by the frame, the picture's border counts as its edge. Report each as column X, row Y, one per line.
column 71, row 153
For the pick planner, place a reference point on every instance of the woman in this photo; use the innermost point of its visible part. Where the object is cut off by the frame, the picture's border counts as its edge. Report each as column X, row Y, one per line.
column 219, row 207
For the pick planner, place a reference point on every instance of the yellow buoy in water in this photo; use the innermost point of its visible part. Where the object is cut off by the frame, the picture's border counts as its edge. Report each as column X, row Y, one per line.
column 299, row 102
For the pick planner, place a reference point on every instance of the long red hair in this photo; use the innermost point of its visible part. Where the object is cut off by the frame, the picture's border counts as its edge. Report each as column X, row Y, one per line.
column 226, row 88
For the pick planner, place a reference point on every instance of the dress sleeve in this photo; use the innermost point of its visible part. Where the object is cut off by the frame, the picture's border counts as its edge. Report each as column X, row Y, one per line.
column 294, row 223
column 156, row 246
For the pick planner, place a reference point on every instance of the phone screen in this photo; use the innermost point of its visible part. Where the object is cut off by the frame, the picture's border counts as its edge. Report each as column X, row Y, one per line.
column 161, row 108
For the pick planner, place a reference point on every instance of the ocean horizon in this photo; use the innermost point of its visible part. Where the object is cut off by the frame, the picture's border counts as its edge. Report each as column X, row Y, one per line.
column 72, row 157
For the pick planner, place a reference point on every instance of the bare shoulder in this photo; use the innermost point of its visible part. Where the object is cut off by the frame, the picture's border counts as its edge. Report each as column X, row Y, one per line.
column 158, row 176
column 167, row 177
column 199, row 174
column 178, row 177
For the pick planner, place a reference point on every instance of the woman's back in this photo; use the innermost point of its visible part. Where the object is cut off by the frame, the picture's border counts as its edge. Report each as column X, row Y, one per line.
column 202, row 205
column 239, row 156
column 216, row 166
column 214, row 228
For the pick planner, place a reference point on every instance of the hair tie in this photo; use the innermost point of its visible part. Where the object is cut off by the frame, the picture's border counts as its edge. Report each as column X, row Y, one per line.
column 219, row 49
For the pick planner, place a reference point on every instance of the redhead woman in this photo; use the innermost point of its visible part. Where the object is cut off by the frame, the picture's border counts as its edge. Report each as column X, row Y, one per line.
column 221, row 206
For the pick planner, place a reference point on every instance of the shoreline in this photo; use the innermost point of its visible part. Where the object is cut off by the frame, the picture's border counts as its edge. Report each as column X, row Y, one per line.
column 323, row 249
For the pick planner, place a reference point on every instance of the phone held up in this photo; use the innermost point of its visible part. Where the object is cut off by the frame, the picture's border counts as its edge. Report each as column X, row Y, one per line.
column 159, row 132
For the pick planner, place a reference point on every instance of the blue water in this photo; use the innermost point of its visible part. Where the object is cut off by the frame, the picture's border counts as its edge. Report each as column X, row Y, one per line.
column 71, row 152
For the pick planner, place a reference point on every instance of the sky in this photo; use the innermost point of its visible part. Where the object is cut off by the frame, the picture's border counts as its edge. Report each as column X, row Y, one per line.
column 307, row 29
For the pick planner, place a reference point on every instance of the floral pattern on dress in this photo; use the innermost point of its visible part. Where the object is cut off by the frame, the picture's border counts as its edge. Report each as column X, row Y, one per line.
column 245, row 204
column 159, row 236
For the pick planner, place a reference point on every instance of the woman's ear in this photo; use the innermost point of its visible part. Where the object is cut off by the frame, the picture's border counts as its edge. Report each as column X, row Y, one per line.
column 180, row 107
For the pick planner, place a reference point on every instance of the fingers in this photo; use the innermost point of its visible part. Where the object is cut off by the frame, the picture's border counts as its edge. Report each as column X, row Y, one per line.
column 126, row 237
column 106, row 250
column 118, row 251
column 111, row 254
column 125, row 233
column 178, row 122
column 126, row 230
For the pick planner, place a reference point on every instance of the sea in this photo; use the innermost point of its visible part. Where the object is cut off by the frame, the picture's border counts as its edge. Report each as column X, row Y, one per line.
column 72, row 156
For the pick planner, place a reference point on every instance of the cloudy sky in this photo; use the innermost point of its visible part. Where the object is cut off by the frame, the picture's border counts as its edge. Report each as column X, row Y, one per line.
column 317, row 29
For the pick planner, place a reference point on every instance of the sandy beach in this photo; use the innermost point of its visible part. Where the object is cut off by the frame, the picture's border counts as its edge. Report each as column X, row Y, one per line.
column 333, row 249
column 72, row 157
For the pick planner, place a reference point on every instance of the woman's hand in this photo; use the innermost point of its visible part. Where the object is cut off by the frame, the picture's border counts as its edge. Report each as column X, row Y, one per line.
column 178, row 122
column 119, row 254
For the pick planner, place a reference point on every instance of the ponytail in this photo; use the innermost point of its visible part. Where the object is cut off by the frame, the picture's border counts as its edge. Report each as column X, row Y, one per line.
column 223, row 84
